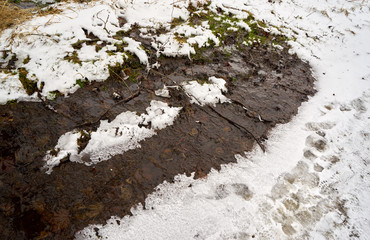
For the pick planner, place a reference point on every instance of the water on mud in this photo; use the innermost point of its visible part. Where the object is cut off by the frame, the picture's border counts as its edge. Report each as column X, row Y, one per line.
column 266, row 87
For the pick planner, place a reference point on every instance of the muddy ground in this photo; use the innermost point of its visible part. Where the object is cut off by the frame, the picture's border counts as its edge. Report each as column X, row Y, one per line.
column 264, row 84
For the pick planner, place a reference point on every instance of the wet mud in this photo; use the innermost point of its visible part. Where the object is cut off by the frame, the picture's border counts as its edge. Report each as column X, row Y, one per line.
column 266, row 87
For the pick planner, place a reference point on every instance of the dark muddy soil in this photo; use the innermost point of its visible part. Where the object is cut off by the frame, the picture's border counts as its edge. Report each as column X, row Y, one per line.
column 264, row 84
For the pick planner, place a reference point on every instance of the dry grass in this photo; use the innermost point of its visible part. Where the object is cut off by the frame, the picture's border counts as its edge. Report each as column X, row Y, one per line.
column 11, row 15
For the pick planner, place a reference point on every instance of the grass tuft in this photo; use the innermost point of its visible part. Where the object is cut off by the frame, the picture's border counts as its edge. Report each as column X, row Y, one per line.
column 12, row 15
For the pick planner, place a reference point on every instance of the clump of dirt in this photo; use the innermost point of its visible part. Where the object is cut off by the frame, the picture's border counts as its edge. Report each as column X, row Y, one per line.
column 266, row 86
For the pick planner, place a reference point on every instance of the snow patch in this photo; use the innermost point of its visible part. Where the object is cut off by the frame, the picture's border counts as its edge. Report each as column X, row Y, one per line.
column 206, row 93
column 113, row 138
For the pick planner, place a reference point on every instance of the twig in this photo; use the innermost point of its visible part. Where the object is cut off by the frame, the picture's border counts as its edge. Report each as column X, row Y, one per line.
column 137, row 93
column 238, row 126
column 121, row 79
column 250, row 113
column 49, row 107
column 105, row 22
column 292, row 89
column 230, row 121
column 163, row 75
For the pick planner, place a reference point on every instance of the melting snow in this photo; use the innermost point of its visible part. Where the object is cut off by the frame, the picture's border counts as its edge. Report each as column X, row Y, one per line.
column 112, row 138
column 206, row 93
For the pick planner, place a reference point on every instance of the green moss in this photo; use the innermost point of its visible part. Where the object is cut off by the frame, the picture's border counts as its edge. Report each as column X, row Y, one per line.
column 198, row 57
column 97, row 48
column 121, row 46
column 27, row 60
column 29, row 85
column 176, row 22
column 121, row 34
column 10, row 102
column 220, row 24
column 90, row 42
column 202, row 81
column 180, row 38
column 81, row 82
column 83, row 140
column 73, row 58
column 54, row 94
column 131, row 68
column 78, row 44
column 5, row 54
column 42, row 85
column 54, row 152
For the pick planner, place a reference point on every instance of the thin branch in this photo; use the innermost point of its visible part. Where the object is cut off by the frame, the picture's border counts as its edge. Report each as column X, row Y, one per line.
column 239, row 126
column 230, row 121
column 123, row 80
column 105, row 22
column 292, row 89
column 248, row 112
column 137, row 93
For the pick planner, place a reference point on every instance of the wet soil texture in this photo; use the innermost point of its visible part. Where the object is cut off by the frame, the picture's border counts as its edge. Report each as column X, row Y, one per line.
column 266, row 86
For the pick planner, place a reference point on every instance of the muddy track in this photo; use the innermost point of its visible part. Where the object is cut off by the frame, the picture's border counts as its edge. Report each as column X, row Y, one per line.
column 266, row 87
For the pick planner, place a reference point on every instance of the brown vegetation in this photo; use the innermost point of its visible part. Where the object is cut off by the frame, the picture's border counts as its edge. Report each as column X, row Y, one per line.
column 11, row 15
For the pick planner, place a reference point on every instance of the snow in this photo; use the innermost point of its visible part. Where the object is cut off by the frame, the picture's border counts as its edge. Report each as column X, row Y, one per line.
column 164, row 92
column 206, row 93
column 134, row 47
column 57, row 62
column 12, row 89
column 313, row 181
column 47, row 41
column 112, row 138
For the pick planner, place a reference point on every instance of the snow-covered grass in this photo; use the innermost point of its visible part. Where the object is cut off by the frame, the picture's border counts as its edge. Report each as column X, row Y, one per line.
column 313, row 181
column 81, row 41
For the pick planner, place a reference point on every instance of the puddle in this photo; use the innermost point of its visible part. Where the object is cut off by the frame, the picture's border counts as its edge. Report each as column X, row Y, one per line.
column 266, row 86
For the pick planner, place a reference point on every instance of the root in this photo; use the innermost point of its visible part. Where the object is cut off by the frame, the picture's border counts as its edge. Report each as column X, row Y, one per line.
column 239, row 127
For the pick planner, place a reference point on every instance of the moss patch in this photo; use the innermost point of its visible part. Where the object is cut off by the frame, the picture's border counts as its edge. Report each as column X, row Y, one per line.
column 81, row 82
column 73, row 58
column 29, row 85
column 230, row 31
column 83, row 140
column 27, row 60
